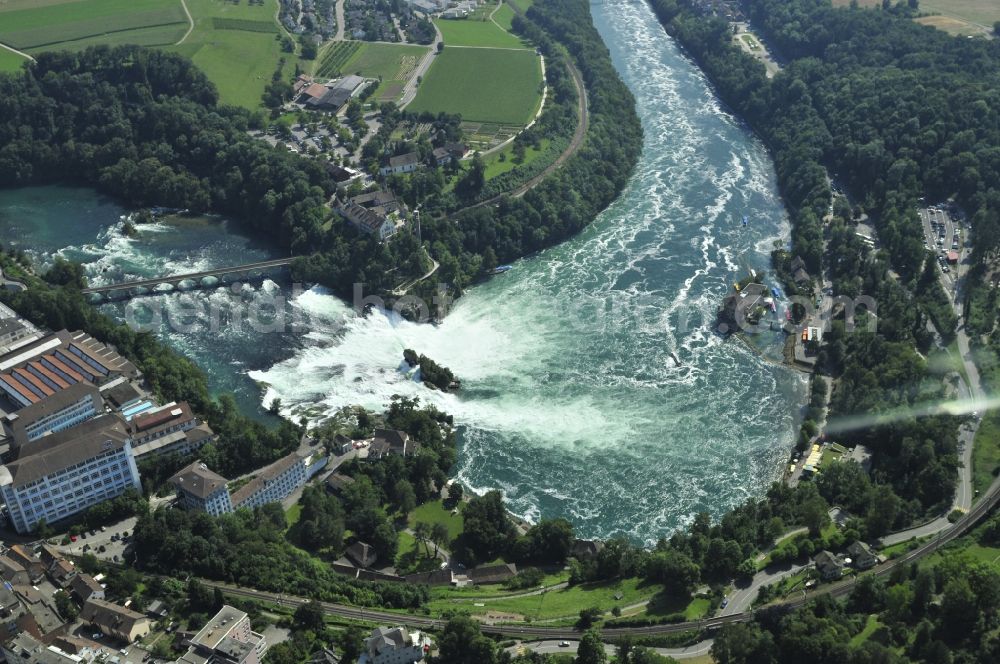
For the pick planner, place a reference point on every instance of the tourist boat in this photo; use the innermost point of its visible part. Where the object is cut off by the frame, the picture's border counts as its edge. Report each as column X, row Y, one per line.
column 744, row 220
column 501, row 269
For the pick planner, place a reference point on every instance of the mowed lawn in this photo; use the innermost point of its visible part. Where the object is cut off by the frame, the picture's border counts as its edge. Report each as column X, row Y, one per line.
column 239, row 62
column 470, row 32
column 10, row 61
column 395, row 64
column 986, row 452
column 504, row 15
column 483, row 85
column 50, row 25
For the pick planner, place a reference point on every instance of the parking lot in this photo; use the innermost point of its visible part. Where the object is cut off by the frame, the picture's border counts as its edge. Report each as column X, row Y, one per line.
column 113, row 539
column 944, row 233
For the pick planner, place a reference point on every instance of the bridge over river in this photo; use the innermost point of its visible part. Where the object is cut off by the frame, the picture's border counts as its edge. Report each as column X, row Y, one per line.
column 203, row 279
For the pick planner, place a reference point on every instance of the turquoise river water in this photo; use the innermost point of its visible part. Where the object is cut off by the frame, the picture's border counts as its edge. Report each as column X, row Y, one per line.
column 593, row 387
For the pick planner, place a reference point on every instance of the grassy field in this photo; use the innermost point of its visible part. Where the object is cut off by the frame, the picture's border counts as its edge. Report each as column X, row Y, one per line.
column 10, row 61
column 562, row 603
column 435, row 512
column 871, row 626
column 239, row 62
column 52, row 25
column 482, row 85
column 504, row 15
column 394, row 64
column 986, row 451
column 495, row 167
column 476, row 33
column 523, row 5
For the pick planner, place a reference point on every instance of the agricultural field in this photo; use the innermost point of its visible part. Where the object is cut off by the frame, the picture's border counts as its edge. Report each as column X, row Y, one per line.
column 980, row 13
column 394, row 64
column 230, row 45
column 333, row 59
column 483, row 85
column 60, row 24
column 956, row 17
column 470, row 32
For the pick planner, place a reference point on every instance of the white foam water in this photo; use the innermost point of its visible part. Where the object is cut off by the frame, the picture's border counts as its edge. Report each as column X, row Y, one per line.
column 572, row 402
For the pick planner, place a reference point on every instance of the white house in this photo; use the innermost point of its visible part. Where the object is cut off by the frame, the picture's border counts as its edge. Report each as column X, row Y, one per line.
column 395, row 646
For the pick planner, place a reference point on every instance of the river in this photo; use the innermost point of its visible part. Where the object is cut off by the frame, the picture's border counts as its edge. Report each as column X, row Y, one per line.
column 593, row 387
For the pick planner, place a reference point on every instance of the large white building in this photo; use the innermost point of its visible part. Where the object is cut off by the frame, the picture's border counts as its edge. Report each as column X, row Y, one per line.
column 64, row 473
column 273, row 484
column 227, row 638
column 395, row 646
column 198, row 488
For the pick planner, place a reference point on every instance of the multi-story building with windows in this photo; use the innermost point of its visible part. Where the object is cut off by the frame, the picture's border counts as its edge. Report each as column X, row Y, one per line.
column 198, row 488
column 63, row 410
column 169, row 429
column 273, row 484
column 64, row 473
column 227, row 638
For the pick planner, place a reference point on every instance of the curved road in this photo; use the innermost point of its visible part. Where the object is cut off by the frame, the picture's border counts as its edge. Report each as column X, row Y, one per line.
column 191, row 23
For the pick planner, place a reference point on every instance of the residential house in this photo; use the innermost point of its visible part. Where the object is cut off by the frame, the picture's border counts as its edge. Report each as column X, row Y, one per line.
column 586, row 548
column 441, row 156
column 337, row 483
column 115, row 621
column 343, row 176
column 862, row 555
column 27, row 560
column 62, row 572
column 398, row 441
column 829, row 566
column 86, row 587
column 13, row 572
column 458, row 151
column 438, row 577
column 41, row 608
column 198, row 488
column 28, row 649
column 361, row 554
column 368, row 221
column 403, row 163
column 492, row 574
column 382, row 201
column 395, row 646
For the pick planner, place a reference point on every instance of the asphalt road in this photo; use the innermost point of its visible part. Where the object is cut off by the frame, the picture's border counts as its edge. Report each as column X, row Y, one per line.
column 556, row 647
